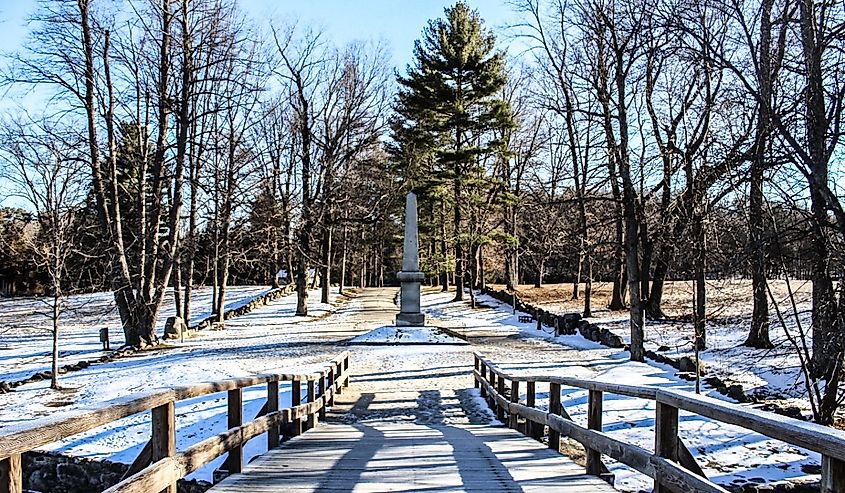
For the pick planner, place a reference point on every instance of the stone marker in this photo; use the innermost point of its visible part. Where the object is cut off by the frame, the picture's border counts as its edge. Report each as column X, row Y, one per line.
column 410, row 275
column 175, row 328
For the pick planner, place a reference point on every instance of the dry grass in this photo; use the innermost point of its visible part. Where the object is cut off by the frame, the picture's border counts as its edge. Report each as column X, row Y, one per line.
column 725, row 298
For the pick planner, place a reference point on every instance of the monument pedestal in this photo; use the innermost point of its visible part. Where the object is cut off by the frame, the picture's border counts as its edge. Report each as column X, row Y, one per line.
column 410, row 320
column 409, row 296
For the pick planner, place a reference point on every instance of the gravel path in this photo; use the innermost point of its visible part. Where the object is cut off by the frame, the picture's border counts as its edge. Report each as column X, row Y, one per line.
column 430, row 384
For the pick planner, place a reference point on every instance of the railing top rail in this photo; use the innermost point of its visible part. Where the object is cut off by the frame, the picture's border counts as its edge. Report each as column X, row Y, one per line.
column 811, row 436
column 17, row 439
column 640, row 391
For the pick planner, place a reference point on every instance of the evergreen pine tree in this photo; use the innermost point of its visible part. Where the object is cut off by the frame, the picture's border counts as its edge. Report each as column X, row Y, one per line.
column 448, row 105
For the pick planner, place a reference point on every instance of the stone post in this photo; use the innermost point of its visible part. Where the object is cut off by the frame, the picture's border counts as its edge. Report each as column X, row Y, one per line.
column 410, row 275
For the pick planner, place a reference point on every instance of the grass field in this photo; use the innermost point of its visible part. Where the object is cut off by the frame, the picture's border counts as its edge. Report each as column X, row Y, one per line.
column 725, row 298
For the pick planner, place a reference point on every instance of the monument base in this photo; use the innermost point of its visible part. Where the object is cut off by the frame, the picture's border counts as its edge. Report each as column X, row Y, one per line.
column 410, row 319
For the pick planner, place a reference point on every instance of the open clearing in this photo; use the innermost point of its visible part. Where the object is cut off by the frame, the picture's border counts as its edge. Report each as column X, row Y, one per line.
column 428, row 383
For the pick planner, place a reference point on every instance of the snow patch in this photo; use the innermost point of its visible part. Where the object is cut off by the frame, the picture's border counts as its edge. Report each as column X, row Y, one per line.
column 406, row 335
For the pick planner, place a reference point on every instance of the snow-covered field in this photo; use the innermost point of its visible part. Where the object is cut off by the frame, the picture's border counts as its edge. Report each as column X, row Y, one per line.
column 766, row 373
column 26, row 337
column 266, row 340
column 271, row 338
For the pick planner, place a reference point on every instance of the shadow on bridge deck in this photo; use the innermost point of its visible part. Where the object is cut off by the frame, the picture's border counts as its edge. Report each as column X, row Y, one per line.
column 418, row 453
column 410, row 457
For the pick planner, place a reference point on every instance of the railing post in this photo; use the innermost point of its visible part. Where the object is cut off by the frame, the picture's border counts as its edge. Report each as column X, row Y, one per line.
column 483, row 372
column 594, row 410
column 272, row 406
column 477, row 368
column 490, row 400
column 11, row 475
column 512, row 416
column 164, row 435
column 665, row 437
column 321, row 391
column 532, row 429
column 554, row 408
column 500, row 388
column 312, row 417
column 338, row 375
column 235, row 460
column 346, row 371
column 295, row 400
column 329, row 385
column 833, row 475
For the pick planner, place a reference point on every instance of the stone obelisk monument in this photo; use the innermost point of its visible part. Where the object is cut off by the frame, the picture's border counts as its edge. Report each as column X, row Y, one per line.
column 410, row 275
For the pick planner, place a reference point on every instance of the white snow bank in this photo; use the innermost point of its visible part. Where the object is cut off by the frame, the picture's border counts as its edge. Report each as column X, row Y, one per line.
column 406, row 335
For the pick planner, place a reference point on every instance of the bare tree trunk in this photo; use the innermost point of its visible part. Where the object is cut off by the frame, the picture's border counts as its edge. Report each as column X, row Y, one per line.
column 444, row 252
column 482, row 283
column 830, row 402
column 658, row 281
column 459, row 247
column 576, row 284
column 325, row 268
column 541, row 265
column 343, row 260
column 758, row 336
column 826, row 343
column 56, row 313
column 223, row 257
column 617, row 299
column 588, row 289
column 223, row 275
column 699, row 313
column 645, row 261
column 631, row 215
column 177, row 288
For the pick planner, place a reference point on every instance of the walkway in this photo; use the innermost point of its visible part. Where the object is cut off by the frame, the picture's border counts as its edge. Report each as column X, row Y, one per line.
column 408, row 422
column 410, row 457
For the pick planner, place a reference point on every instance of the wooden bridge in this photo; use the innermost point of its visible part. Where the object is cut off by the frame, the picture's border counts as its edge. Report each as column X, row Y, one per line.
column 375, row 456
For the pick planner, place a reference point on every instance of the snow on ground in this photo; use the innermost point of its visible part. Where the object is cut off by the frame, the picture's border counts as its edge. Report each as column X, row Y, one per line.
column 728, row 454
column 435, row 379
column 766, row 373
column 26, row 337
column 406, row 335
column 269, row 339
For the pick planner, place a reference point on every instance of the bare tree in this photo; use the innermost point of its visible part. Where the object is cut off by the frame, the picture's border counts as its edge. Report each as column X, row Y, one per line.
column 349, row 121
column 302, row 60
column 42, row 161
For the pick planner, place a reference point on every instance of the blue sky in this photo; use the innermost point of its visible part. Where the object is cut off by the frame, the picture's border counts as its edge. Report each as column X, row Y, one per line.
column 399, row 22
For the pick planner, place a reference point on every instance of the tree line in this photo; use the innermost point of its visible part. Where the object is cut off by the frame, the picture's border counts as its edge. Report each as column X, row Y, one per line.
column 192, row 146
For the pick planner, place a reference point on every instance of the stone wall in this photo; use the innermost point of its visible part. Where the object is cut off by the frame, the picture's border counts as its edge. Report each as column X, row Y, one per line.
column 49, row 472
column 252, row 305
column 564, row 324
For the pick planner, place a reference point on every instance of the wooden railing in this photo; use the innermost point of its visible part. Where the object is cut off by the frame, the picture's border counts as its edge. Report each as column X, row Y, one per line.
column 670, row 465
column 159, row 465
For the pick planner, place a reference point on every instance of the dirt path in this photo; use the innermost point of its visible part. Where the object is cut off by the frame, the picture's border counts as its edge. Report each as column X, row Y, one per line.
column 428, row 384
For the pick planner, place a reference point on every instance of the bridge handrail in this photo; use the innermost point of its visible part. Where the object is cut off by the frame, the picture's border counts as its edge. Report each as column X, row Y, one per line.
column 159, row 466
column 671, row 465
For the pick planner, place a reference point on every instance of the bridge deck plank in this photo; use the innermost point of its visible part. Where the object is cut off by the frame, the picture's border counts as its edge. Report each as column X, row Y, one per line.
column 375, row 456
